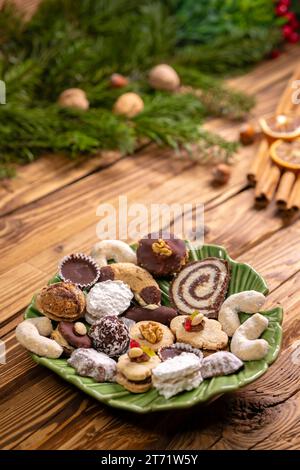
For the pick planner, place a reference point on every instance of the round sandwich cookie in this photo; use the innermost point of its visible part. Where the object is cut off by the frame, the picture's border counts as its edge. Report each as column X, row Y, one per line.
column 134, row 374
column 161, row 255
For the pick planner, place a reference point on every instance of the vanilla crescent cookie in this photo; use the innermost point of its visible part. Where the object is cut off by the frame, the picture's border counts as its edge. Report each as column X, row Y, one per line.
column 246, row 343
column 143, row 285
column 135, row 376
column 249, row 301
column 210, row 336
column 116, row 250
column 177, row 374
column 32, row 335
column 152, row 334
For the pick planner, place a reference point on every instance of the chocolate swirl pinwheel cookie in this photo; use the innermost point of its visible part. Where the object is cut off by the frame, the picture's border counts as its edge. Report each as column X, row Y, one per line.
column 202, row 286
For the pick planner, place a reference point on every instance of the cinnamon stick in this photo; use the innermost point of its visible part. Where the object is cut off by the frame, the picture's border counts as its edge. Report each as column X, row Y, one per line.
column 269, row 181
column 285, row 105
column 259, row 163
column 284, row 190
column 293, row 204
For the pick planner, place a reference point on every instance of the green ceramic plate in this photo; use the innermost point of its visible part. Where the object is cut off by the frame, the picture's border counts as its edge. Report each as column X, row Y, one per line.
column 243, row 277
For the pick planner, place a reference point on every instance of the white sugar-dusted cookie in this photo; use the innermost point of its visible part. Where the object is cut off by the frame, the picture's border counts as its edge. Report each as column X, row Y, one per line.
column 107, row 298
column 220, row 363
column 90, row 363
column 249, row 301
column 177, row 374
column 245, row 343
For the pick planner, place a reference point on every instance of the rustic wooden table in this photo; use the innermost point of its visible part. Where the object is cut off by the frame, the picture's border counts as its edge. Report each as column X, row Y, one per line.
column 50, row 210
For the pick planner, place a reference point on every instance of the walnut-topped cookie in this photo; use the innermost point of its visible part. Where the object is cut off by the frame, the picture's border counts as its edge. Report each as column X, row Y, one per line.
column 152, row 334
column 205, row 334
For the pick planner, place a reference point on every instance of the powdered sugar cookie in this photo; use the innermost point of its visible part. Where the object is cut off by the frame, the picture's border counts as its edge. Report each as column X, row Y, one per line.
column 220, row 363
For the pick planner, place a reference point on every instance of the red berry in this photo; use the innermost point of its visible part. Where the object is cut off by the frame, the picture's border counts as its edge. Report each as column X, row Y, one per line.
column 134, row 344
column 294, row 37
column 188, row 324
column 285, row 2
column 290, row 16
column 281, row 9
column 287, row 30
column 275, row 53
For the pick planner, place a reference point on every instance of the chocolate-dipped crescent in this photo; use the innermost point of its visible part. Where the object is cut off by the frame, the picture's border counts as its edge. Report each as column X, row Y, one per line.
column 202, row 286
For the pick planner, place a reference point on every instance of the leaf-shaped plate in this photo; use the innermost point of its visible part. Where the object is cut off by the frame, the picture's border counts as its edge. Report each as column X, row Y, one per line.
column 243, row 277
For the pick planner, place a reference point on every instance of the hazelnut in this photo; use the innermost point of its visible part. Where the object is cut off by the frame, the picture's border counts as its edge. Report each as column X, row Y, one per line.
column 118, row 81
column 80, row 328
column 247, row 134
column 221, row 173
column 74, row 98
column 164, row 77
column 197, row 319
column 133, row 353
column 128, row 104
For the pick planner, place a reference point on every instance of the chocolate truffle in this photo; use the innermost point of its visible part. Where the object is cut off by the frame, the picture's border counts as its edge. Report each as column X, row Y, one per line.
column 110, row 336
column 61, row 301
column 161, row 256
column 80, row 269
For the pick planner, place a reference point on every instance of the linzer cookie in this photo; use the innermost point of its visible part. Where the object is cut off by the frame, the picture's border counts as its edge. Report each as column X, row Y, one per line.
column 161, row 256
column 202, row 286
column 80, row 269
column 136, row 376
column 143, row 285
column 61, row 301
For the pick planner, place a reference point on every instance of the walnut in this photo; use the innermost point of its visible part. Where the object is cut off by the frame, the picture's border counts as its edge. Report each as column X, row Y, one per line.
column 161, row 248
column 151, row 332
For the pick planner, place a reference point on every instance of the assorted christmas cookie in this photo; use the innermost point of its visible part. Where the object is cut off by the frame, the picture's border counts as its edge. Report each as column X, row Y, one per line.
column 80, row 269
column 152, row 334
column 141, row 282
column 107, row 298
column 62, row 301
column 168, row 352
column 71, row 336
column 220, row 363
column 97, row 320
column 207, row 334
column 161, row 256
column 158, row 313
column 134, row 369
column 177, row 374
column 110, row 336
column 201, row 285
column 90, row 363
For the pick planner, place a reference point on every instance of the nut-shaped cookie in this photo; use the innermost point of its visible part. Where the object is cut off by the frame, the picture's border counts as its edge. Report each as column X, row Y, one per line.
column 61, row 301
column 210, row 337
column 152, row 334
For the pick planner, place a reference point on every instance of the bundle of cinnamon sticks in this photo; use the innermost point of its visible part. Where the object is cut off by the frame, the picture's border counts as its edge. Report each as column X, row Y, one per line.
column 270, row 180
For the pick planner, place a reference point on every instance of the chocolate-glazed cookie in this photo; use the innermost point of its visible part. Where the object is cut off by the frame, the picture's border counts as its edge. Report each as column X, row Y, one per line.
column 158, row 313
column 161, row 256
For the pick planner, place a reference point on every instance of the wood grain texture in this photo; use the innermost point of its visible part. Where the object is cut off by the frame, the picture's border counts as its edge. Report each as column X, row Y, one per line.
column 40, row 411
